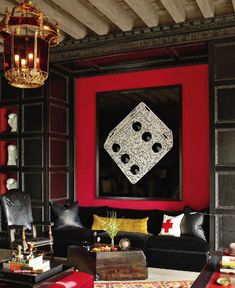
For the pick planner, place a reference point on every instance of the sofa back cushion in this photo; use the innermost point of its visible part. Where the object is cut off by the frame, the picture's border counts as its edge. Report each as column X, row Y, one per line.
column 124, row 224
column 154, row 222
column 192, row 225
column 171, row 225
column 86, row 214
column 196, row 223
column 66, row 217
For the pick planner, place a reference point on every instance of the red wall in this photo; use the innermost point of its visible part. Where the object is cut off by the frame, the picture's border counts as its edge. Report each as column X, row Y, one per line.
column 195, row 133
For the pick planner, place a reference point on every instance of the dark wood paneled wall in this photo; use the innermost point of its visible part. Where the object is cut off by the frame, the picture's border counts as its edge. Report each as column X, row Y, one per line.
column 44, row 140
column 222, row 142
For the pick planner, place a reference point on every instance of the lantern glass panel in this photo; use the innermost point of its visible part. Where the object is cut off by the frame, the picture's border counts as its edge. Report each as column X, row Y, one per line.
column 7, row 53
column 23, row 48
column 43, row 54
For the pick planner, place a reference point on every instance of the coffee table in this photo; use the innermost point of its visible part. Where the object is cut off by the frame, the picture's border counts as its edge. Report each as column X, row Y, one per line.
column 210, row 273
column 114, row 265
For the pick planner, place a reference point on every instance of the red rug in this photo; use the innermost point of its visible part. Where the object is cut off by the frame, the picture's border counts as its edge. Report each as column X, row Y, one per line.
column 161, row 284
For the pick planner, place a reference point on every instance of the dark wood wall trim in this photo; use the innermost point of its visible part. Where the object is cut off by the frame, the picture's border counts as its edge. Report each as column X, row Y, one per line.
column 212, row 144
column 181, row 55
column 162, row 36
column 139, row 65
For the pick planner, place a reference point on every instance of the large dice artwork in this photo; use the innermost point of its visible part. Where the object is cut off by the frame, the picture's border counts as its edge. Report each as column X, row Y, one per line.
column 138, row 142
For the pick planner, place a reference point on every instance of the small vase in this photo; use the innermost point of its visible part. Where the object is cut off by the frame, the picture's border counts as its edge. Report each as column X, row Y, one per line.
column 112, row 242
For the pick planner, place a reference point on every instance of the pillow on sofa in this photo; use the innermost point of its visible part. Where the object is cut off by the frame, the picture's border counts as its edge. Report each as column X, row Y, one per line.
column 187, row 209
column 86, row 214
column 66, row 217
column 205, row 215
column 127, row 225
column 192, row 225
column 154, row 221
column 171, row 225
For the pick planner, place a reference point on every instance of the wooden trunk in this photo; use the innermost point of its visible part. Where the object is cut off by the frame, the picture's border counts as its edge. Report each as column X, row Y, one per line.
column 115, row 265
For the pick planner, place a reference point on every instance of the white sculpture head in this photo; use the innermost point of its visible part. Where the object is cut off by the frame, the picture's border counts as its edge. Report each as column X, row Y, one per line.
column 11, row 183
column 12, row 154
column 12, row 121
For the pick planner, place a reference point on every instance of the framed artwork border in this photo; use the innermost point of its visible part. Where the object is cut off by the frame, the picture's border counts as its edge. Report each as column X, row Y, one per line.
column 100, row 138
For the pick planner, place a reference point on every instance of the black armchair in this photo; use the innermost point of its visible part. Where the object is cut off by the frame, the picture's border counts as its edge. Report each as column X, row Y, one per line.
column 18, row 212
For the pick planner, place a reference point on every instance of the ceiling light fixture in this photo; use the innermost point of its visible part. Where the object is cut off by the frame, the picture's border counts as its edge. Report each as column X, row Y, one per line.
column 27, row 36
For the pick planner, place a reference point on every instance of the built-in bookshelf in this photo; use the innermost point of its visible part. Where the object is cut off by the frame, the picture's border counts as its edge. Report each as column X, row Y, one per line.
column 43, row 141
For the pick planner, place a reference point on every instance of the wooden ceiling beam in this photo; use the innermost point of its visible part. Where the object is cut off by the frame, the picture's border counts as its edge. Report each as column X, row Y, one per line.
column 69, row 25
column 145, row 11
column 148, row 38
column 207, row 8
column 84, row 15
column 6, row 4
column 176, row 9
column 114, row 12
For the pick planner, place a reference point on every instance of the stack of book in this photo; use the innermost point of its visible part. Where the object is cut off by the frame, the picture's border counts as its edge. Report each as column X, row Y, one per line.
column 228, row 264
column 32, row 265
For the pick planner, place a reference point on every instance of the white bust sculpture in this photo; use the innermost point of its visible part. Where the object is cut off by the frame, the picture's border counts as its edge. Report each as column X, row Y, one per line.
column 12, row 121
column 12, row 154
column 11, row 183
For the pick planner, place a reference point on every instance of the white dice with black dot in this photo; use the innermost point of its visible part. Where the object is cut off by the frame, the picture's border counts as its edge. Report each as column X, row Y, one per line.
column 138, row 142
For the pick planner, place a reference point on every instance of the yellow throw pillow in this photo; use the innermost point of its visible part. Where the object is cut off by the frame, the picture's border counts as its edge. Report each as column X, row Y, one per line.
column 124, row 224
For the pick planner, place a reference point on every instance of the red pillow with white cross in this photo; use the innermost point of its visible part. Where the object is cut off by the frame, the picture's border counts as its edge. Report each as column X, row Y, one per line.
column 171, row 225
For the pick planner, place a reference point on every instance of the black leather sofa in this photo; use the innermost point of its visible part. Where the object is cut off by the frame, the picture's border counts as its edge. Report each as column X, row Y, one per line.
column 188, row 252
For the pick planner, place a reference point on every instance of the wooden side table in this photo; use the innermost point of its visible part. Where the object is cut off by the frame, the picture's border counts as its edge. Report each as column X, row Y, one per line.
column 114, row 265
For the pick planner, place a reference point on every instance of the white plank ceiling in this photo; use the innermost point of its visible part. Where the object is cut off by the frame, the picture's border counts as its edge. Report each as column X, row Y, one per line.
column 86, row 18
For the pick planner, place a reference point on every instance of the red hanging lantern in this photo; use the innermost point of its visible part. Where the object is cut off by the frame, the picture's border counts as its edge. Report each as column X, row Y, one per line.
column 27, row 36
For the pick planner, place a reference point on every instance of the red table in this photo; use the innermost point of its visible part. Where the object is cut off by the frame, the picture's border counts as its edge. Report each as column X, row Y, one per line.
column 208, row 276
column 212, row 282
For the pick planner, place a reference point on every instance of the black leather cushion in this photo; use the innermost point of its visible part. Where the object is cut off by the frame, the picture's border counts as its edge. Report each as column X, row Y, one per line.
column 206, row 218
column 187, row 209
column 182, row 243
column 66, row 218
column 192, row 225
column 17, row 207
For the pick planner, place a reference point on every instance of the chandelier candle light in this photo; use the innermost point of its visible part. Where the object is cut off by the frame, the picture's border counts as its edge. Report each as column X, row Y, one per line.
column 27, row 36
